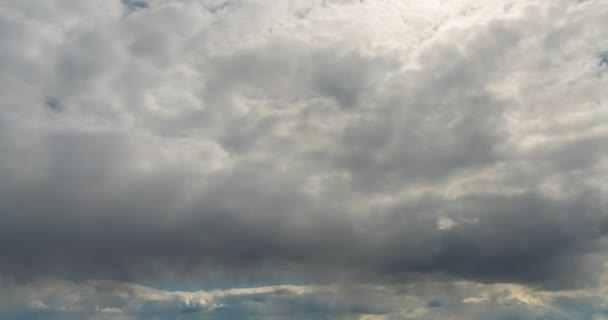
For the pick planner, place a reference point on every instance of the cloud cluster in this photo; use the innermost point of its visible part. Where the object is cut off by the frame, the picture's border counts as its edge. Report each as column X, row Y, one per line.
column 426, row 300
column 357, row 141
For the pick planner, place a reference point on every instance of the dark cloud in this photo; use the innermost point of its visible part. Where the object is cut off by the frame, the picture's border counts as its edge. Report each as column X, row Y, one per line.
column 435, row 303
column 243, row 228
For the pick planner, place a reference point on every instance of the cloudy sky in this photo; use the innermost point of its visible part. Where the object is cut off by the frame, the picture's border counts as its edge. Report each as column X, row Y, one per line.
column 303, row 159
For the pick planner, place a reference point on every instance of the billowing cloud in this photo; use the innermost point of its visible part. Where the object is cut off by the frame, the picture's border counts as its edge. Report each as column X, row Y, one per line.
column 358, row 142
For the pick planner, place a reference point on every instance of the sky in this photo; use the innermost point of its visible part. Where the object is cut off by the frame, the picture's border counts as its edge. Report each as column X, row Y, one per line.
column 304, row 159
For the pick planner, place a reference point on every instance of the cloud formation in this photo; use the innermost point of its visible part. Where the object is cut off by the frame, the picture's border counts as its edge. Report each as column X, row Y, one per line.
column 366, row 142
column 426, row 300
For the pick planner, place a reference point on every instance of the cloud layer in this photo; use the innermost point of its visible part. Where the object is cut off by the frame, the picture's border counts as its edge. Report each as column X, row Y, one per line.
column 427, row 300
column 360, row 142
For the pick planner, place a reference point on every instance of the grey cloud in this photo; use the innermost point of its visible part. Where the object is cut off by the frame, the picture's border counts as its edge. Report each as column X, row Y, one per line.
column 294, row 70
column 530, row 239
column 190, row 144
column 459, row 300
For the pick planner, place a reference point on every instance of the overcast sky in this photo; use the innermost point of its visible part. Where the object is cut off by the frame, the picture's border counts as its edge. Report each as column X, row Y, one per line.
column 303, row 159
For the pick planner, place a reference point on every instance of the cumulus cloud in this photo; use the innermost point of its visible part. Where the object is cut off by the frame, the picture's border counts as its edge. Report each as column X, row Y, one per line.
column 366, row 142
